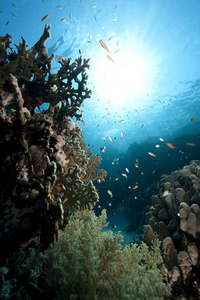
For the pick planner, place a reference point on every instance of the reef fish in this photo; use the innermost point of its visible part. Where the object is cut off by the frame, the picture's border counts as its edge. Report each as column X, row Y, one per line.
column 190, row 144
column 152, row 207
column 192, row 120
column 110, row 58
column 44, row 18
column 110, row 193
column 62, row 19
column 135, row 187
column 103, row 45
column 170, row 146
column 123, row 174
column 152, row 154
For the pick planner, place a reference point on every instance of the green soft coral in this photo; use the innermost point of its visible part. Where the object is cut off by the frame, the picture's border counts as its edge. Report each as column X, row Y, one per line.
column 90, row 264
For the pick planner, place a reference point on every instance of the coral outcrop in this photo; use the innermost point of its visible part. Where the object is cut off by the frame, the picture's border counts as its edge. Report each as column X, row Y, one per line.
column 176, row 223
column 44, row 161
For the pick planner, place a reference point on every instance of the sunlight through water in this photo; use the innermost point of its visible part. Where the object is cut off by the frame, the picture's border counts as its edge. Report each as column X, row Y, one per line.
column 121, row 79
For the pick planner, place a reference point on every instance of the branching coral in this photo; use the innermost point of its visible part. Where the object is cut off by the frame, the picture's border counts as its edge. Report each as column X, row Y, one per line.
column 43, row 157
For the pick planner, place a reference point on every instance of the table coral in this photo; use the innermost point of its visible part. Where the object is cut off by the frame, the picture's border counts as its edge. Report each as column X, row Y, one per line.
column 43, row 156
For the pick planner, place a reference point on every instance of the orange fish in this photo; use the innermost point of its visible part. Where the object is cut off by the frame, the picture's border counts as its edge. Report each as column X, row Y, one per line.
column 185, row 240
column 152, row 207
column 62, row 19
column 83, row 124
column 153, row 172
column 164, row 175
column 157, row 185
column 60, row 58
column 150, row 153
column 110, row 58
column 135, row 187
column 192, row 120
column 44, row 18
column 160, row 192
column 103, row 45
column 170, row 146
column 190, row 144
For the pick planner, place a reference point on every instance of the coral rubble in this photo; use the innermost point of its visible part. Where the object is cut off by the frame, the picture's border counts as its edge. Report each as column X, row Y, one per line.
column 44, row 161
column 176, row 223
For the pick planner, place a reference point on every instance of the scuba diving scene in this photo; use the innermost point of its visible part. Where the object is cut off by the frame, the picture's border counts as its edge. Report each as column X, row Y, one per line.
column 100, row 149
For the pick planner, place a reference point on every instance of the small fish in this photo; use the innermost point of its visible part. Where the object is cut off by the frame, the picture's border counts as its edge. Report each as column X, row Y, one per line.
column 165, row 193
column 116, row 179
column 122, row 134
column 106, row 119
column 104, row 138
column 7, row 22
column 127, row 170
column 116, row 50
column 135, row 187
column 157, row 146
column 110, row 58
column 190, row 144
column 150, row 153
column 83, row 124
column 143, row 125
column 103, row 45
column 185, row 240
column 141, row 173
column 152, row 207
column 192, row 120
column 70, row 15
column 164, row 175
column 109, row 203
column 122, row 121
column 98, row 125
column 114, row 226
column 107, row 111
column 153, row 172
column 170, row 146
column 123, row 174
column 44, row 18
column 110, row 38
column 93, row 6
column 60, row 58
column 110, row 193
column 160, row 192
column 157, row 185
column 99, row 10
column 62, row 19
column 161, row 139
column 137, row 165
column 117, row 5
column 14, row 5
column 60, row 7
column 13, row 14
column 137, row 160
column 111, row 139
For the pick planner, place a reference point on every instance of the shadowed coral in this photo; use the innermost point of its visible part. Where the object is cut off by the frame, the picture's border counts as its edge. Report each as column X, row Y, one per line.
column 40, row 152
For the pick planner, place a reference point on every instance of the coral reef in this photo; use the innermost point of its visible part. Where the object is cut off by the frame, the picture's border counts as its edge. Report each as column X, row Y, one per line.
column 176, row 223
column 88, row 264
column 44, row 160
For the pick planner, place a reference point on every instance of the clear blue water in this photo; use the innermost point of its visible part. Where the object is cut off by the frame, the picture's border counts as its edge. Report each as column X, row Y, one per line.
column 150, row 90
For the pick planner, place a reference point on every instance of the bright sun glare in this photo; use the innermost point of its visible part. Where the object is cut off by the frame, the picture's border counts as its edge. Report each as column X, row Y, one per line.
column 122, row 80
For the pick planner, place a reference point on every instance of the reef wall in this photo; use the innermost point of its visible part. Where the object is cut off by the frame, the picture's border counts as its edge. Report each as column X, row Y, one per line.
column 46, row 167
column 175, row 221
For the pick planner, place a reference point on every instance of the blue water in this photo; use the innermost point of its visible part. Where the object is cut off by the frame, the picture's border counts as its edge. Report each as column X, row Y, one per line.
column 150, row 90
